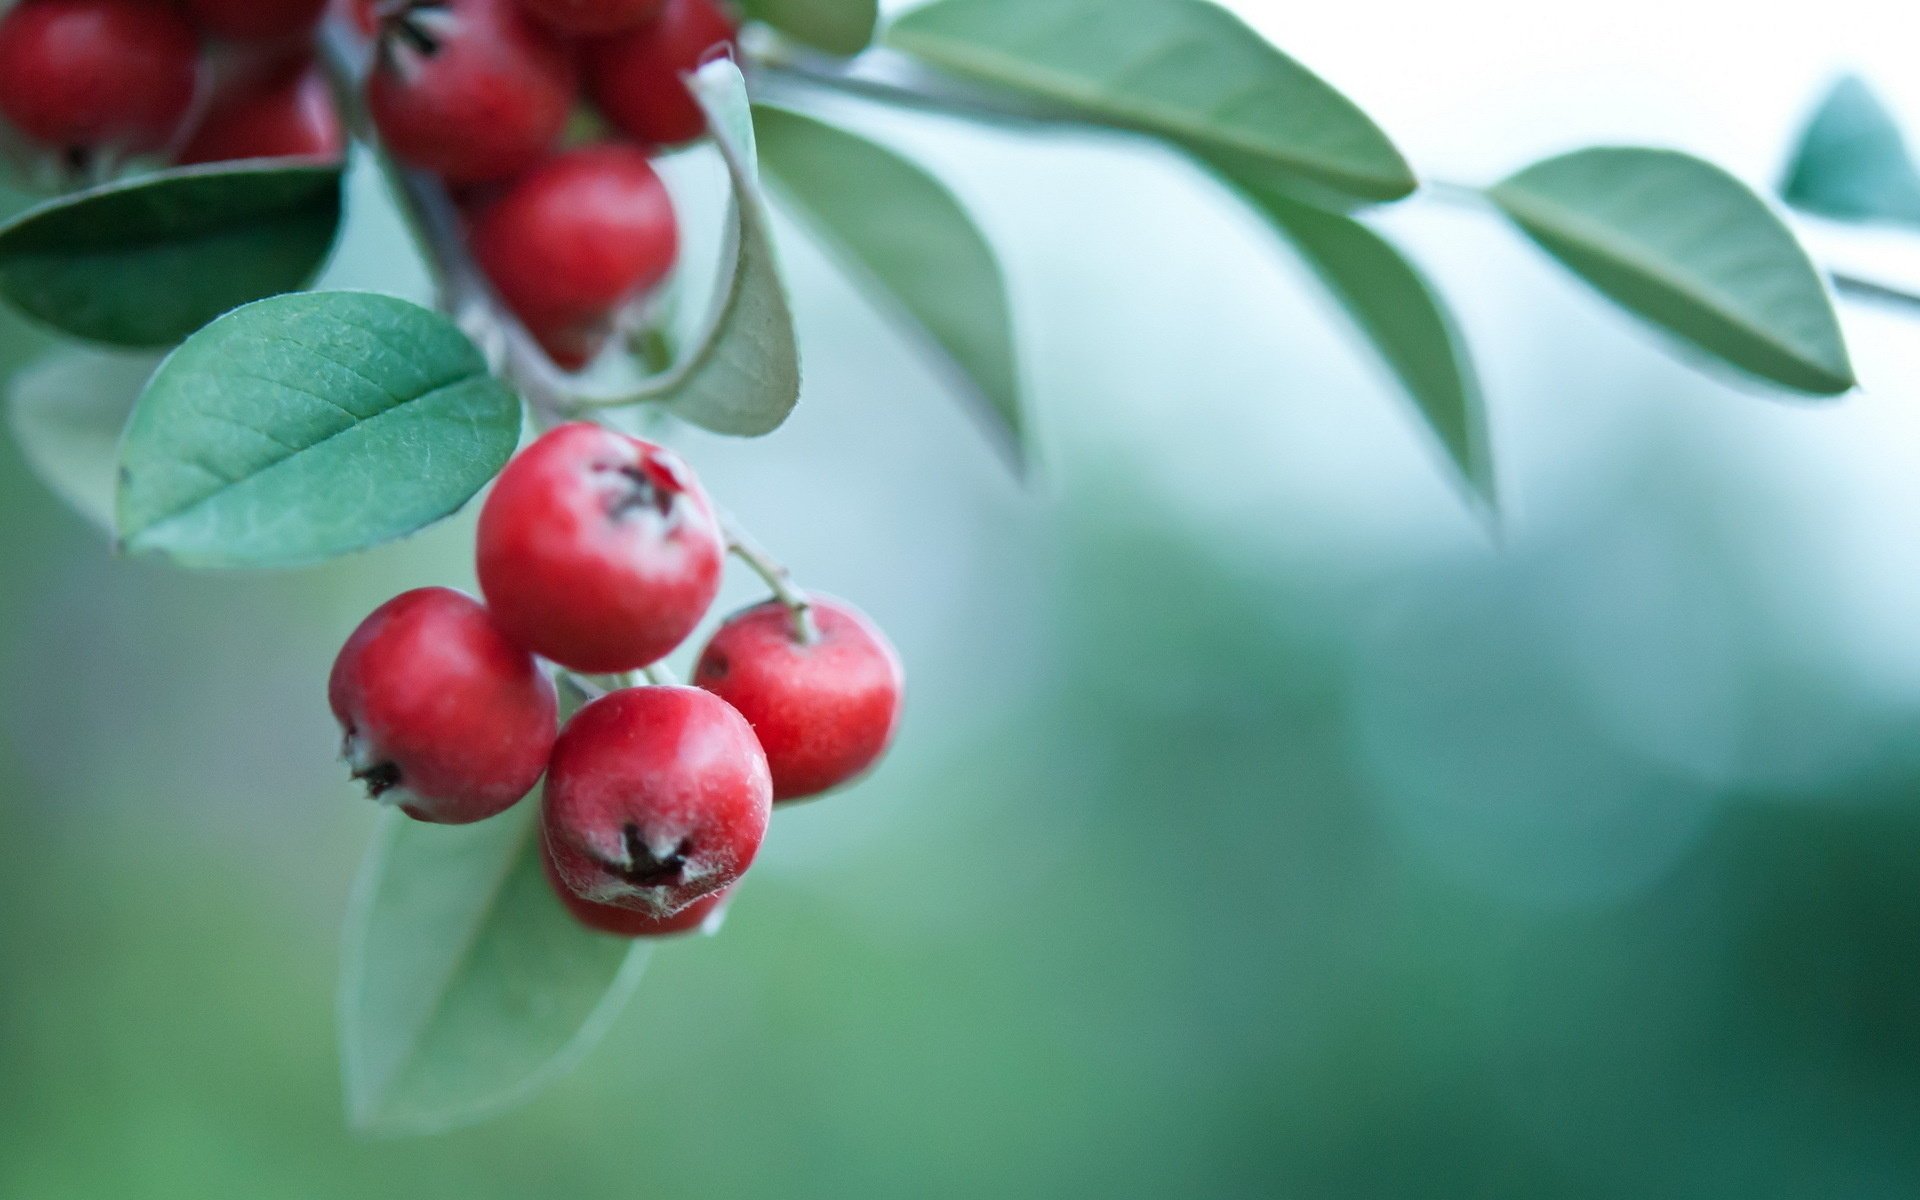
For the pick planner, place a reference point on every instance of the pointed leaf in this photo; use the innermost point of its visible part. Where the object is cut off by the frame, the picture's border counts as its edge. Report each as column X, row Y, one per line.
column 742, row 375
column 908, row 240
column 842, row 27
column 67, row 411
column 1184, row 70
column 1691, row 249
column 306, row 426
column 147, row 262
column 466, row 986
column 1852, row 163
column 1408, row 323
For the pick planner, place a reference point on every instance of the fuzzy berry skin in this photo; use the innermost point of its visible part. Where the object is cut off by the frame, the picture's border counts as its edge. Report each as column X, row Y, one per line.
column 635, row 77
column 283, row 112
column 655, row 797
column 582, row 17
column 825, row 710
column 440, row 712
column 470, row 90
column 87, row 74
column 702, row 916
column 578, row 236
column 255, row 20
column 598, row 550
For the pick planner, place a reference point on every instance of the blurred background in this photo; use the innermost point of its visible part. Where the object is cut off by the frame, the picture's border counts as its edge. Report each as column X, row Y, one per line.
column 1261, row 825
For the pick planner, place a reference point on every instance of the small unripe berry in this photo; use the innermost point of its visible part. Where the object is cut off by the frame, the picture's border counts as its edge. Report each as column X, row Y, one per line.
column 89, row 74
column 598, row 550
column 702, row 916
column 655, row 797
column 255, row 20
column 440, row 712
column 577, row 237
column 593, row 16
column 284, row 111
column 471, row 90
column 824, row 709
column 635, row 76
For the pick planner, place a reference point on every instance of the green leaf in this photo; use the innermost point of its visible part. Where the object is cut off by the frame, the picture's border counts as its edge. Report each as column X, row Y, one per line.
column 1852, row 163
column 1184, row 70
column 743, row 374
column 1691, row 249
column 67, row 411
column 908, row 240
column 147, row 262
column 1407, row 321
column 842, row 27
column 466, row 987
column 305, row 426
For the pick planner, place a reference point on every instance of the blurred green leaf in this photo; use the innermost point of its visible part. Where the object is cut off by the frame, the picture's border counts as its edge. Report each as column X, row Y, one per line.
column 841, row 27
column 742, row 375
column 305, row 426
column 1691, row 249
column 466, row 986
column 1407, row 321
column 1852, row 163
column 910, row 243
column 147, row 262
column 67, row 411
column 1184, row 70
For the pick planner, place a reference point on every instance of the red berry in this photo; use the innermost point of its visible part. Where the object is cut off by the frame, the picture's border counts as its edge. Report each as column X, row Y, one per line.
column 656, row 796
column 702, row 916
column 572, row 346
column 82, row 74
column 824, row 709
column 593, row 16
column 578, row 236
column 635, row 77
column 471, row 90
column 255, row 20
column 285, row 111
column 441, row 712
column 598, row 550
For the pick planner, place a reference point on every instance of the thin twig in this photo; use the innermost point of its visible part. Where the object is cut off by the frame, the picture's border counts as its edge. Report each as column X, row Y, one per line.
column 799, row 608
column 1868, row 289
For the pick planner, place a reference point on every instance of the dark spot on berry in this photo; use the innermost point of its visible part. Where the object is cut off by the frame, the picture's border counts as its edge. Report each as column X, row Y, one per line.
column 643, row 867
column 641, row 493
column 380, row 778
column 715, row 666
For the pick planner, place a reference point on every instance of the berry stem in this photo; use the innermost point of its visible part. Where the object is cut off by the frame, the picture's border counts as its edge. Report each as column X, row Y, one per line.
column 742, row 545
column 660, row 675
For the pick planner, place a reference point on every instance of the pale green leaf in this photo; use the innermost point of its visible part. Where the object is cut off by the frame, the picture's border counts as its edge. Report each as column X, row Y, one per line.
column 1852, row 162
column 842, row 27
column 67, row 411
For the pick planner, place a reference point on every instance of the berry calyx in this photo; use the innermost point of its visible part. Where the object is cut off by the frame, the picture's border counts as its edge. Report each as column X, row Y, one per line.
column 255, row 20
column 598, row 550
column 471, row 90
column 285, row 111
column 575, row 238
column 439, row 712
column 85, row 75
column 655, row 797
column 636, row 77
column 825, row 708
column 593, row 16
column 702, row 916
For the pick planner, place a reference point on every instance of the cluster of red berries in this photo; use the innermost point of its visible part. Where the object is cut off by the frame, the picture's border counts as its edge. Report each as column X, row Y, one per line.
column 600, row 553
column 479, row 93
column 200, row 80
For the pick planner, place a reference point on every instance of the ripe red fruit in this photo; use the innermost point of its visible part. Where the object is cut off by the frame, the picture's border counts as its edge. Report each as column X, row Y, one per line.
column 285, row 111
column 255, row 20
column 635, row 77
column 440, row 712
column 578, row 236
column 598, row 550
column 87, row 74
column 593, row 16
column 824, row 709
column 471, row 90
column 655, row 797
column 702, row 916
